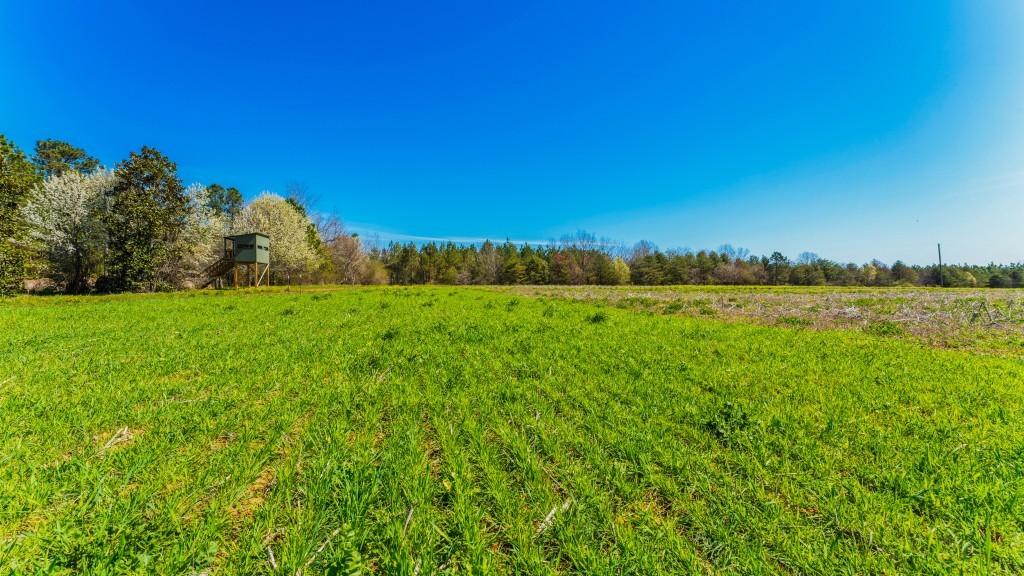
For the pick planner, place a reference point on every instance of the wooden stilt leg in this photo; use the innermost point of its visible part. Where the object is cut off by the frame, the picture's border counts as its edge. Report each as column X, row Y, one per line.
column 261, row 275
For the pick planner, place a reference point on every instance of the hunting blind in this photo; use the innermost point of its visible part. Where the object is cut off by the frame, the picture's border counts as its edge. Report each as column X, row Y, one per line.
column 251, row 251
column 250, row 248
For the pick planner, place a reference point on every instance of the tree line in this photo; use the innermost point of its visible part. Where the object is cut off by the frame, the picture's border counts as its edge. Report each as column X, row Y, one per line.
column 69, row 224
column 582, row 259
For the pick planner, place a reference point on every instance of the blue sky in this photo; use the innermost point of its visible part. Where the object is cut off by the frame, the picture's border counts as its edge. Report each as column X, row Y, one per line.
column 854, row 130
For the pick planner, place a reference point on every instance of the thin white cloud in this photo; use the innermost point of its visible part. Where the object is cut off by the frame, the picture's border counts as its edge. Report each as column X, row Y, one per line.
column 456, row 239
column 382, row 235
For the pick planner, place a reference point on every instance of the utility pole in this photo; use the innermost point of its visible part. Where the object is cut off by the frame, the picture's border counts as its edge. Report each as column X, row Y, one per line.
column 941, row 285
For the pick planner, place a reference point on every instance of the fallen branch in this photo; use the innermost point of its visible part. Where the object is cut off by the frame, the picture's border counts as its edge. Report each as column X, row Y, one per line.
column 550, row 518
column 122, row 435
column 407, row 520
column 322, row 546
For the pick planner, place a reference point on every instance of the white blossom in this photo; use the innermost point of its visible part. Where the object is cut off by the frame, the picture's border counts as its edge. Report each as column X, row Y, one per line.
column 288, row 229
column 201, row 234
column 66, row 219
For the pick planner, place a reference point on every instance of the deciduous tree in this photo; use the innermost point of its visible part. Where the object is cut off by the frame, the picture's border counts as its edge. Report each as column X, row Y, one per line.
column 291, row 256
column 198, row 244
column 147, row 209
column 17, row 178
column 620, row 271
column 66, row 215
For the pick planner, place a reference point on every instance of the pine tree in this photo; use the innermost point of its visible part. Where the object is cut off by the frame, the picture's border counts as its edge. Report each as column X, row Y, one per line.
column 54, row 157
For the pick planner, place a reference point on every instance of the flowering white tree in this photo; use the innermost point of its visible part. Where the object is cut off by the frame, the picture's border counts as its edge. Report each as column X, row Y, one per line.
column 290, row 252
column 65, row 216
column 198, row 240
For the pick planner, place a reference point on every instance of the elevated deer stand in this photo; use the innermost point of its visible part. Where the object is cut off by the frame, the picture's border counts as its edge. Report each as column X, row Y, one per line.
column 249, row 250
column 253, row 252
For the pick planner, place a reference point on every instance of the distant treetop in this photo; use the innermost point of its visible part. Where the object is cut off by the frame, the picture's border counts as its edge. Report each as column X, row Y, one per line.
column 54, row 157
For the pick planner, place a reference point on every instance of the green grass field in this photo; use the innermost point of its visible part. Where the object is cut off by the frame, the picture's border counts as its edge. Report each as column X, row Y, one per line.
column 453, row 430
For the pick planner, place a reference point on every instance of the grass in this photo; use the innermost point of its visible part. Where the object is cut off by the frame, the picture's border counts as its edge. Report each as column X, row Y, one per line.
column 443, row 430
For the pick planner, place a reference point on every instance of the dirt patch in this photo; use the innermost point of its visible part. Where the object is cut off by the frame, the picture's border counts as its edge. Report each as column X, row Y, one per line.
column 62, row 459
column 117, row 439
column 255, row 494
column 257, row 491
column 430, row 448
column 221, row 441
